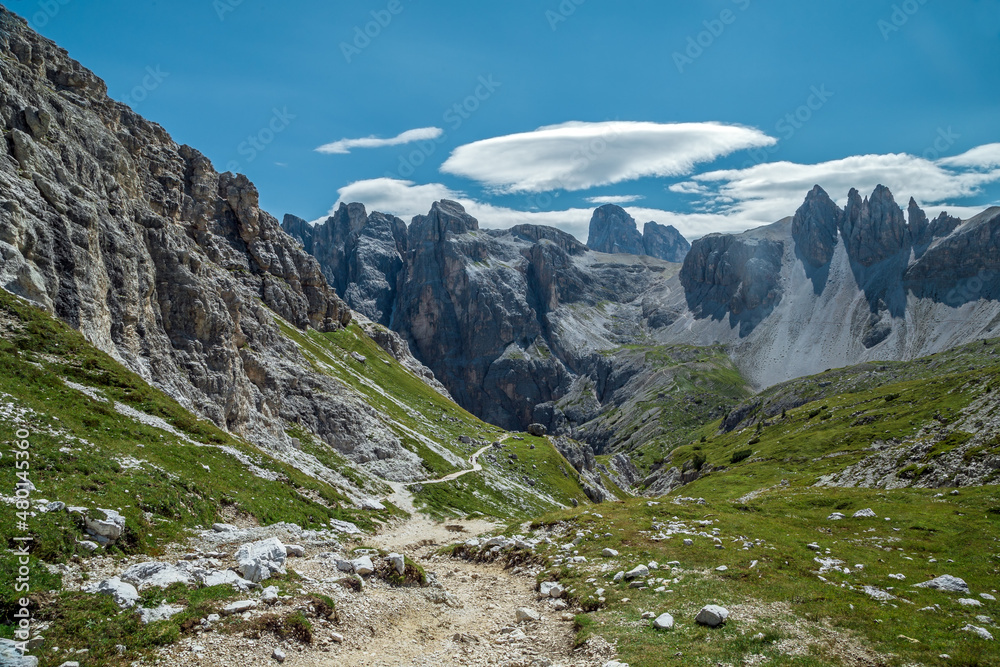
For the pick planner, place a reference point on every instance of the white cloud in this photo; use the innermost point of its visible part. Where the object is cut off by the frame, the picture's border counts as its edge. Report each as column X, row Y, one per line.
column 983, row 157
column 768, row 192
column 615, row 199
column 344, row 146
column 578, row 156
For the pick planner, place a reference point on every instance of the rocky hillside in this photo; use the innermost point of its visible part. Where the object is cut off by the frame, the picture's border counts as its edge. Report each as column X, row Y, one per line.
column 173, row 270
column 527, row 325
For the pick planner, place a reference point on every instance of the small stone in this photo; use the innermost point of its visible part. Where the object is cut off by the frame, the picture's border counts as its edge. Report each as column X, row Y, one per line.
column 664, row 622
column 814, row 547
column 865, row 513
column 969, row 602
column 946, row 582
column 551, row 589
column 721, row 568
column 618, row 576
column 337, row 637
column 986, row 596
column 836, row 516
column 688, row 542
column 238, row 607
column 525, row 614
column 278, row 655
column 295, row 550
column 609, row 553
column 638, row 572
column 224, row 527
column 712, row 615
column 975, row 629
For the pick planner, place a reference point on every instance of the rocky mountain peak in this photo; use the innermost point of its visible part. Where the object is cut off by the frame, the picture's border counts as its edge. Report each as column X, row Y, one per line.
column 664, row 242
column 815, row 226
column 613, row 230
column 445, row 217
column 874, row 229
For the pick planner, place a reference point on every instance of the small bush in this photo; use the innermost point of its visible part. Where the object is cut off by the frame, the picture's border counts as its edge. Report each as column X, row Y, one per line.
column 741, row 455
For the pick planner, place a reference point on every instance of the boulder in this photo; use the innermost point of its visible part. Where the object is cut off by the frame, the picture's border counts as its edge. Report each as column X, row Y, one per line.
column 712, row 615
column 836, row 516
column 638, row 572
column 295, row 550
column 10, row 656
column 123, row 593
column 947, row 583
column 865, row 513
column 372, row 505
column 278, row 655
column 109, row 528
column 398, row 562
column 257, row 561
column 537, row 429
column 155, row 574
column 220, row 577
column 551, row 589
column 663, row 622
column 363, row 566
column 609, row 553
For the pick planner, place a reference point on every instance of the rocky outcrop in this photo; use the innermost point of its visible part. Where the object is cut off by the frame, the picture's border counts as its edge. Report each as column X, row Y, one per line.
column 815, row 227
column 733, row 275
column 162, row 262
column 664, row 242
column 874, row 228
column 613, row 230
column 361, row 255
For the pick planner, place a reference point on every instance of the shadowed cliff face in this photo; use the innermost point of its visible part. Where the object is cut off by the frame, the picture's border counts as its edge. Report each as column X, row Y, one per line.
column 161, row 261
column 613, row 230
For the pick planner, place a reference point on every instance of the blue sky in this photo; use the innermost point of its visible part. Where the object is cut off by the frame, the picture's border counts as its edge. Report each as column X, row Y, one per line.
column 712, row 116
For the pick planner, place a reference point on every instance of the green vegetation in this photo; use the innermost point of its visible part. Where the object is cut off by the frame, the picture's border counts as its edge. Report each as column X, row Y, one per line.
column 780, row 607
column 502, row 489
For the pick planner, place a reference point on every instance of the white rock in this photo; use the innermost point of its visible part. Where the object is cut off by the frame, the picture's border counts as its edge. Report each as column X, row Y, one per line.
column 224, row 527
column 295, row 550
column 363, row 566
column 109, row 528
column 11, row 656
column 986, row 596
column 551, row 589
column 344, row 527
column 155, row 574
column 982, row 632
column 721, row 568
column 865, row 513
column 88, row 545
column 527, row 614
column 712, row 615
column 269, row 595
column 897, row 577
column 220, row 577
column 161, row 613
column 372, row 505
column 398, row 562
column 946, row 582
column 345, row 566
column 124, row 594
column 664, row 622
column 615, row 663
column 337, row 637
column 688, row 542
column 238, row 607
column 814, row 547
column 609, row 553
column 257, row 561
column 969, row 602
column 55, row 506
column 836, row 516
column 638, row 572
column 278, row 655
column 619, row 576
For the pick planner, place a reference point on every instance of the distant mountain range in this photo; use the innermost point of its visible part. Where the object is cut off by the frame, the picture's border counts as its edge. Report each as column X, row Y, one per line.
column 529, row 325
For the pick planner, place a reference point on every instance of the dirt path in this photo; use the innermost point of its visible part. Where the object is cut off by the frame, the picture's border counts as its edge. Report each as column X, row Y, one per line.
column 467, row 618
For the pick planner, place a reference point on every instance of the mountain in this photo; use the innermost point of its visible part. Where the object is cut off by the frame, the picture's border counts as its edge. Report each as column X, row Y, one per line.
column 174, row 270
column 529, row 326
column 613, row 230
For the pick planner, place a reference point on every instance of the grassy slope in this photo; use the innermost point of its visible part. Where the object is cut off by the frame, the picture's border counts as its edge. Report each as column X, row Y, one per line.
column 688, row 386
column 769, row 496
column 501, row 490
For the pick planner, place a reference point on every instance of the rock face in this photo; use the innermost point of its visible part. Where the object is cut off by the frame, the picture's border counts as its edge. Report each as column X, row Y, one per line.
column 874, row 228
column 613, row 230
column 169, row 266
column 664, row 242
column 815, row 227
column 738, row 276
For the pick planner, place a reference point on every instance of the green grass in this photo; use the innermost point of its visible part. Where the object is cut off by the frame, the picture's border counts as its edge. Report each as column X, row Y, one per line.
column 783, row 596
column 501, row 490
